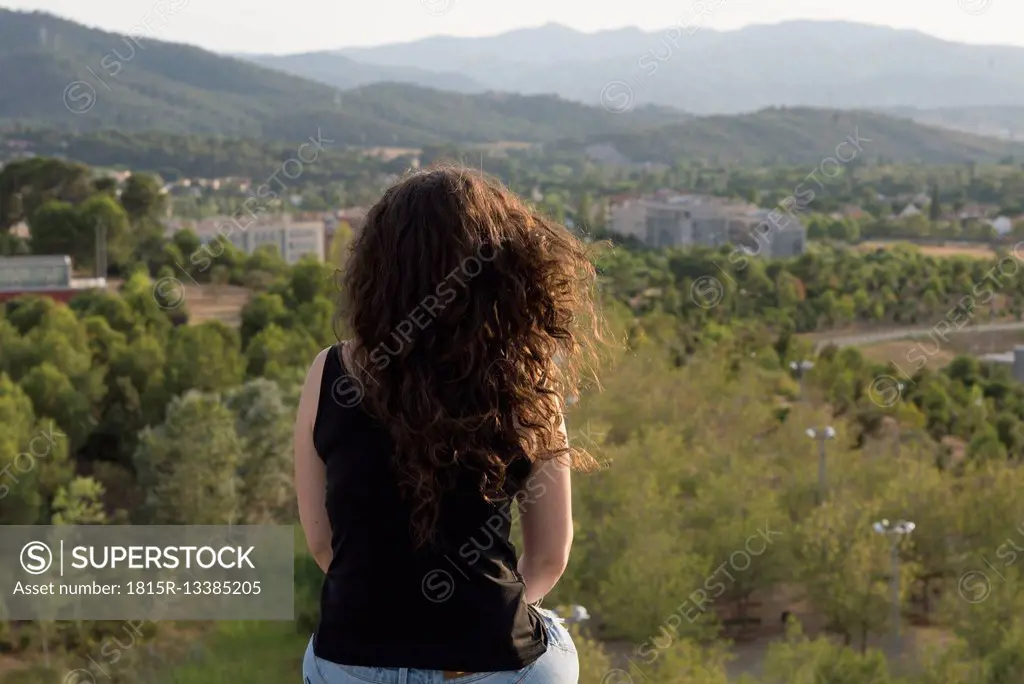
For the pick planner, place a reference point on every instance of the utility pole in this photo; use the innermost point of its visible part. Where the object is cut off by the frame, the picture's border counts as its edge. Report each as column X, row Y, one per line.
column 900, row 432
column 821, row 436
column 101, row 249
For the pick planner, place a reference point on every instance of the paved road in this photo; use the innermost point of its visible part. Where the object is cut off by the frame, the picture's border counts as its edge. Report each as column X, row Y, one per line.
column 847, row 340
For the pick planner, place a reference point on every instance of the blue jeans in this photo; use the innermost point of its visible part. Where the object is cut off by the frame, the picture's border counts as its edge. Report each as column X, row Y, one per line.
column 558, row 665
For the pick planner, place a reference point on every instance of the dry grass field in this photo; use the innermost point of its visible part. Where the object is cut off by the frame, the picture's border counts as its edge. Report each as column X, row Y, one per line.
column 389, row 153
column 503, row 146
column 966, row 342
column 216, row 302
column 204, row 302
column 497, row 149
column 896, row 351
column 966, row 249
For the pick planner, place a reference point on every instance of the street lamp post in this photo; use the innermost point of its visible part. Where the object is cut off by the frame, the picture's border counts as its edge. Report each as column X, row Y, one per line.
column 800, row 368
column 901, row 433
column 577, row 614
column 821, row 436
column 895, row 532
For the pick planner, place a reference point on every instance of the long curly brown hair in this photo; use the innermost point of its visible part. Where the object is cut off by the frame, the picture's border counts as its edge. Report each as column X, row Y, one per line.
column 473, row 321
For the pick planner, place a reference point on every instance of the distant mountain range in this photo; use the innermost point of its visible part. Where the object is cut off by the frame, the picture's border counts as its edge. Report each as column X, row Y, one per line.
column 837, row 65
column 341, row 72
column 840, row 65
column 64, row 76
column 999, row 122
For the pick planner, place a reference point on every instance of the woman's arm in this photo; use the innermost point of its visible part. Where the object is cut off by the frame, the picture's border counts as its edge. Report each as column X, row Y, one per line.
column 310, row 471
column 547, row 525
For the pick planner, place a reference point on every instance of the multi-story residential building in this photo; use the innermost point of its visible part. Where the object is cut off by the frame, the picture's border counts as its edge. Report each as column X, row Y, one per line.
column 668, row 224
column 628, row 217
column 686, row 220
column 293, row 239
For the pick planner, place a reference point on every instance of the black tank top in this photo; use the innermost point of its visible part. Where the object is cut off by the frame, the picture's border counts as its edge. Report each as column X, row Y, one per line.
column 456, row 604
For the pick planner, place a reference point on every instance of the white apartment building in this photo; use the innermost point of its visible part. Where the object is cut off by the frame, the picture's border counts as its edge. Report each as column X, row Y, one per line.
column 293, row 239
column 629, row 218
column 708, row 221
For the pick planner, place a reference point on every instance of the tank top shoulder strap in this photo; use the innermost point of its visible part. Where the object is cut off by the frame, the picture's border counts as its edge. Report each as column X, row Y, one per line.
column 333, row 370
column 331, row 383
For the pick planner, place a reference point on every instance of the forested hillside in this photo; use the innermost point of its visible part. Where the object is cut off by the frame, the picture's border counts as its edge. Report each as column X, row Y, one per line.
column 148, row 85
column 71, row 78
column 803, row 137
column 806, row 136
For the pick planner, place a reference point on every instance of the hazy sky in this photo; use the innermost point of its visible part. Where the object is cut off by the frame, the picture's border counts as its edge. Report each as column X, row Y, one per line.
column 280, row 26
